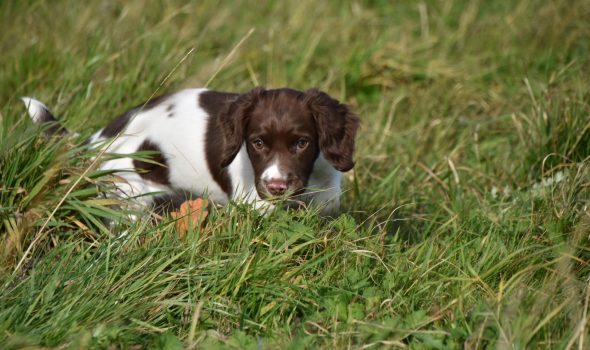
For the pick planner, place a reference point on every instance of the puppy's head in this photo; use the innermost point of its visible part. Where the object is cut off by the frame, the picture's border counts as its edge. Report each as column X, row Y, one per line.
column 284, row 131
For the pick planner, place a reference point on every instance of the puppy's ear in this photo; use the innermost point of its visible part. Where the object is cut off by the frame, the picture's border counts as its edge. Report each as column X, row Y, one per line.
column 336, row 125
column 233, row 122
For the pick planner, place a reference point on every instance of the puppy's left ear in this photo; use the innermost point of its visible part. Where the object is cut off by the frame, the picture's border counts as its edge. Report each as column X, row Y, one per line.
column 336, row 125
column 233, row 122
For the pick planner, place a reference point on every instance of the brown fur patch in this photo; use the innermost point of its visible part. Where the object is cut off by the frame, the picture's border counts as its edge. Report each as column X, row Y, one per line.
column 151, row 171
column 215, row 103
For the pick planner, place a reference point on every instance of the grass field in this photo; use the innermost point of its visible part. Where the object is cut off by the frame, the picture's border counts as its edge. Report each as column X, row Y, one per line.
column 465, row 223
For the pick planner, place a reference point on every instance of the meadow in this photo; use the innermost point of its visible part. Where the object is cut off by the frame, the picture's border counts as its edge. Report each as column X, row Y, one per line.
column 465, row 222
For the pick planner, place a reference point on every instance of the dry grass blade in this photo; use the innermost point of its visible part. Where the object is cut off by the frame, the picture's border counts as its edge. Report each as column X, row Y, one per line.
column 229, row 56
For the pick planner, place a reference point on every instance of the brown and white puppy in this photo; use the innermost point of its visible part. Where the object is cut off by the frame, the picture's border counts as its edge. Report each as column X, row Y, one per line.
column 253, row 147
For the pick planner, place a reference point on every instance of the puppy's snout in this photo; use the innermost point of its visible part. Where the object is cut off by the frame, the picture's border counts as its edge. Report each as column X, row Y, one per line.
column 276, row 187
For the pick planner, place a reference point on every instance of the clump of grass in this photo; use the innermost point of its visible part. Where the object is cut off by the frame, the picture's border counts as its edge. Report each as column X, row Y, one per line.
column 464, row 223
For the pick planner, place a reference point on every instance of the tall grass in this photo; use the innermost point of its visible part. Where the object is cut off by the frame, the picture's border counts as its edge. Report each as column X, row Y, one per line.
column 464, row 223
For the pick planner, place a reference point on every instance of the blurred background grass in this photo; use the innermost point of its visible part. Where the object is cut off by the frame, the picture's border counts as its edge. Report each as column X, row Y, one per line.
column 465, row 221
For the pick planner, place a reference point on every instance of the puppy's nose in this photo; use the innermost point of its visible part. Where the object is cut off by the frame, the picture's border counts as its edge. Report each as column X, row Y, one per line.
column 276, row 187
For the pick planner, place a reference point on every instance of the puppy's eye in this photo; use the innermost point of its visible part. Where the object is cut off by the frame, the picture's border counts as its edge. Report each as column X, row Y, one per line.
column 257, row 143
column 302, row 144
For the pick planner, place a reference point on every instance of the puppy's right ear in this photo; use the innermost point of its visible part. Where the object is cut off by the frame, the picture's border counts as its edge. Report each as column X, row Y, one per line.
column 336, row 125
column 233, row 122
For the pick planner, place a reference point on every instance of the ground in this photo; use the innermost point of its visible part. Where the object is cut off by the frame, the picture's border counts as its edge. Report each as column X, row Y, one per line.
column 465, row 223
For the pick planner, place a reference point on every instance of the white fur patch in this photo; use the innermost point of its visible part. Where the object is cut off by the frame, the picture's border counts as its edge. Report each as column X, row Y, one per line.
column 273, row 172
column 35, row 108
column 324, row 187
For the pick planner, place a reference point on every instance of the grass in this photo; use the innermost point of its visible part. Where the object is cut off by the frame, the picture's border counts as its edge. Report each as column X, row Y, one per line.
column 464, row 225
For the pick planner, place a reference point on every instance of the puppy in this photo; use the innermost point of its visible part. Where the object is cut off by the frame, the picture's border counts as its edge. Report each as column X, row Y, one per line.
column 254, row 147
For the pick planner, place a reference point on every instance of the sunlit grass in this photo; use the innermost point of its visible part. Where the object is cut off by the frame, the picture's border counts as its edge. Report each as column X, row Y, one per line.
column 464, row 223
